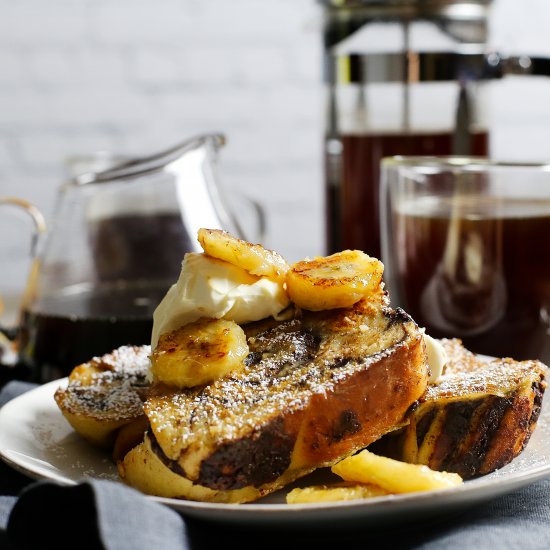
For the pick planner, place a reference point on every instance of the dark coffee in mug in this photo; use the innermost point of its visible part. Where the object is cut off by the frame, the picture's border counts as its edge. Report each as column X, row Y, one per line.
column 480, row 272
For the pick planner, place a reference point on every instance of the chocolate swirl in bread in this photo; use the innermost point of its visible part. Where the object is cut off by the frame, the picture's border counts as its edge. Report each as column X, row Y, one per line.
column 315, row 389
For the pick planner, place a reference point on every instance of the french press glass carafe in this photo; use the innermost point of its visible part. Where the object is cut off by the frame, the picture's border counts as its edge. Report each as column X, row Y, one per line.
column 404, row 77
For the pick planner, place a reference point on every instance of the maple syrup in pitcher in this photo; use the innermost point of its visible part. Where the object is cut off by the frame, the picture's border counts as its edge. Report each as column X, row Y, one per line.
column 136, row 260
column 68, row 329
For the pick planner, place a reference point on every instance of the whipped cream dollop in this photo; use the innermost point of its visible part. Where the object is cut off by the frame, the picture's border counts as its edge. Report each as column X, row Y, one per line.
column 437, row 358
column 208, row 287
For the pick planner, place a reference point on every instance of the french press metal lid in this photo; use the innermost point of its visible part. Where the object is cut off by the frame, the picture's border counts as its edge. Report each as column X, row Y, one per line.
column 465, row 22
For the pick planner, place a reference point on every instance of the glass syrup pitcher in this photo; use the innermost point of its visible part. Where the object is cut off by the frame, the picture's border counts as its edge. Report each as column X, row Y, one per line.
column 113, row 248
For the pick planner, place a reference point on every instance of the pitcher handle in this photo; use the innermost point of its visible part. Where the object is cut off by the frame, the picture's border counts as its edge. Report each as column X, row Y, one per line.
column 29, row 293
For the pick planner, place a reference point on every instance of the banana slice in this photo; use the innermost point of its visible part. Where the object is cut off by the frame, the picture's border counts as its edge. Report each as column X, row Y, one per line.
column 323, row 493
column 199, row 353
column 393, row 475
column 253, row 258
column 339, row 280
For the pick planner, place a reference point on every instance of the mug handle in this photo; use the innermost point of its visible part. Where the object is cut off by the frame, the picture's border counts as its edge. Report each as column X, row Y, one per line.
column 29, row 292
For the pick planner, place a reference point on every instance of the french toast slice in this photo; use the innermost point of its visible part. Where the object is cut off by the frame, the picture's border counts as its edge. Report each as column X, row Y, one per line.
column 314, row 390
column 104, row 394
column 476, row 419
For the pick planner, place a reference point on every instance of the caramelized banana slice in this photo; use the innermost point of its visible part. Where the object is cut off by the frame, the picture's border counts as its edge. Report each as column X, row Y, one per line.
column 335, row 281
column 393, row 475
column 323, row 493
column 199, row 353
column 253, row 258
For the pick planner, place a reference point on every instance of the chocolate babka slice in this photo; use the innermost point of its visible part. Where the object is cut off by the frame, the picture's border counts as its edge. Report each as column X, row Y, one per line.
column 105, row 394
column 476, row 419
column 315, row 389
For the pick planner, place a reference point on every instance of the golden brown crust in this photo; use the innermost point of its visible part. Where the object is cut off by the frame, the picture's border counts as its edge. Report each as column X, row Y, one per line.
column 476, row 419
column 315, row 389
column 362, row 407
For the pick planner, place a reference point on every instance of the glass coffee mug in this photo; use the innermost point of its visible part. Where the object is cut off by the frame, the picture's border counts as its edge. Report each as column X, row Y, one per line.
column 113, row 248
column 466, row 249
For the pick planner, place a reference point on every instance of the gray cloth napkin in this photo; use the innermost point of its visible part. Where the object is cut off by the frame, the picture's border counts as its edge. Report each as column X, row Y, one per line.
column 105, row 514
column 93, row 514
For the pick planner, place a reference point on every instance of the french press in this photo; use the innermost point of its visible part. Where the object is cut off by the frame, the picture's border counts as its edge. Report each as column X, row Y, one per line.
column 404, row 77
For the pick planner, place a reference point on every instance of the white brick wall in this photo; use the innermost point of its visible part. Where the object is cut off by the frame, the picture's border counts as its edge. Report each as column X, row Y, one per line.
column 136, row 76
column 133, row 76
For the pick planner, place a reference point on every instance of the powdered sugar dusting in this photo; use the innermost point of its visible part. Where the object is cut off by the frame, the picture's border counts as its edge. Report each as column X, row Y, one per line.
column 290, row 364
column 108, row 387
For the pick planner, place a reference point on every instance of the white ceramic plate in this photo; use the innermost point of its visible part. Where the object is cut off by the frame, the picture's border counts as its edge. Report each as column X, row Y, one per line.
column 37, row 440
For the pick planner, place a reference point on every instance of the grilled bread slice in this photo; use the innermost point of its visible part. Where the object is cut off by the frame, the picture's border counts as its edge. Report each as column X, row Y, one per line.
column 314, row 390
column 476, row 419
column 104, row 394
